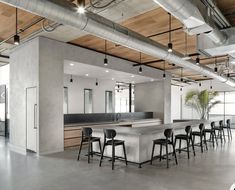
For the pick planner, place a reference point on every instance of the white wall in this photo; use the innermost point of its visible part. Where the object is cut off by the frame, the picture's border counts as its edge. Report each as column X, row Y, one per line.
column 189, row 113
column 76, row 93
column 154, row 97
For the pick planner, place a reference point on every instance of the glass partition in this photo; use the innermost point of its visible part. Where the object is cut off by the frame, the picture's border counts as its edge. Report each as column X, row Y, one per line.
column 88, row 102
column 108, row 101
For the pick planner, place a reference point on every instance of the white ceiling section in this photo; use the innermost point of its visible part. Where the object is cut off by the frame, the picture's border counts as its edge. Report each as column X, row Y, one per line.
column 89, row 71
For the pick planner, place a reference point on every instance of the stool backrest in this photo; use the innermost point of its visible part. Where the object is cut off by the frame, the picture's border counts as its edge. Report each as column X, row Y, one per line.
column 201, row 127
column 188, row 130
column 221, row 123
column 228, row 122
column 168, row 133
column 109, row 133
column 86, row 132
column 212, row 125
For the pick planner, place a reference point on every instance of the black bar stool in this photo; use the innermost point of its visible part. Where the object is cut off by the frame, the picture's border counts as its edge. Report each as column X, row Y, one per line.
column 168, row 133
column 220, row 130
column 109, row 140
column 228, row 127
column 187, row 137
column 212, row 133
column 87, row 138
column 200, row 134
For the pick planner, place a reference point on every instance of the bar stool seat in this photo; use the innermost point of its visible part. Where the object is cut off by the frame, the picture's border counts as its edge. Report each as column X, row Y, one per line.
column 93, row 139
column 161, row 141
column 115, row 142
column 196, row 133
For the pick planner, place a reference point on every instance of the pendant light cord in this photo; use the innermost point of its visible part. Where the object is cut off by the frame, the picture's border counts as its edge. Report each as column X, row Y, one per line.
column 164, row 67
column 105, row 48
column 169, row 27
column 186, row 44
column 140, row 58
column 16, row 21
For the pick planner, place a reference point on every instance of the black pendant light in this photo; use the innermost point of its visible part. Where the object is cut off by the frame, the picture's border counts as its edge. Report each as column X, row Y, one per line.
column 181, row 78
column 197, row 60
column 200, row 84
column 170, row 45
column 71, row 79
column 216, row 69
column 164, row 74
column 105, row 57
column 16, row 36
column 140, row 68
column 211, row 84
column 96, row 82
column 181, row 88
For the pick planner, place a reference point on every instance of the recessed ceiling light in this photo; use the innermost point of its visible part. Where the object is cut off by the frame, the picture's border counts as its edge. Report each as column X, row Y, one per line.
column 71, row 64
column 112, row 78
column 87, row 75
column 133, row 82
column 151, row 80
column 107, row 71
column 132, row 76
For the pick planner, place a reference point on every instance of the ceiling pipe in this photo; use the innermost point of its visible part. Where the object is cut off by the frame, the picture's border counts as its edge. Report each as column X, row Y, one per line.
column 190, row 15
column 106, row 29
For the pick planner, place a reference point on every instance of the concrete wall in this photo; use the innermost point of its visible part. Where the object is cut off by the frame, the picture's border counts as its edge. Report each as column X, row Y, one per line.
column 155, row 97
column 24, row 66
column 51, row 82
column 76, row 93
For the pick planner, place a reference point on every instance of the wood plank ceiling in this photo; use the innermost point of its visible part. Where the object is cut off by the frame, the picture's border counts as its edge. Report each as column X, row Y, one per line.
column 152, row 24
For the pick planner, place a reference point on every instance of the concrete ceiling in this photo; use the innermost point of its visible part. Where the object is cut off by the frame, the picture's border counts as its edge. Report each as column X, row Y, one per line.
column 89, row 71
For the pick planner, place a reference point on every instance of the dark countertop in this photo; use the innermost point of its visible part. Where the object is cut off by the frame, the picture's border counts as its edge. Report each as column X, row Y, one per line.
column 113, row 123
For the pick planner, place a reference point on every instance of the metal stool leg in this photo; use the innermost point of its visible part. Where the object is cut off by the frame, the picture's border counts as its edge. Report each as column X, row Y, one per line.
column 188, row 148
column 124, row 150
column 167, row 160
column 102, row 155
column 193, row 146
column 80, row 148
column 174, row 152
column 152, row 153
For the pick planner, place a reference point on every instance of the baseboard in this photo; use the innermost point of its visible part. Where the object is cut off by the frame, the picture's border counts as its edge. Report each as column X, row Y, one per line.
column 17, row 149
column 51, row 151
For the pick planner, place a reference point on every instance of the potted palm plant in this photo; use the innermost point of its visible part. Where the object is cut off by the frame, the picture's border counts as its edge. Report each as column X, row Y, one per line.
column 201, row 101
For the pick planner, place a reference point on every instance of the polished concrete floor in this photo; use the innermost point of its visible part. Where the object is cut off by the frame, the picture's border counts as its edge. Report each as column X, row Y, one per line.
column 212, row 170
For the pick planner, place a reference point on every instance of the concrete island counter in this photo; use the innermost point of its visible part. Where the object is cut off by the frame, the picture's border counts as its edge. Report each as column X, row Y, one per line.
column 72, row 132
column 139, row 141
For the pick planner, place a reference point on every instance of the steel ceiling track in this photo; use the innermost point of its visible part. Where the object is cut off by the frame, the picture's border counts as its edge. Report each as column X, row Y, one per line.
column 106, row 29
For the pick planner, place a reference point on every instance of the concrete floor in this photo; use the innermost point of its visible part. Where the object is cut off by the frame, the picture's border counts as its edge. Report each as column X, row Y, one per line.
column 213, row 170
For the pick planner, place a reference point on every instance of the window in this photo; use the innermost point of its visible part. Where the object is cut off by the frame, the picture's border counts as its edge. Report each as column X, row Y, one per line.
column 108, row 101
column 88, row 103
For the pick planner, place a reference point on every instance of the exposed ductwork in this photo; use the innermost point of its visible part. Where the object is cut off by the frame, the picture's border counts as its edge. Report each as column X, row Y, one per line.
column 106, row 29
column 194, row 19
